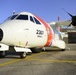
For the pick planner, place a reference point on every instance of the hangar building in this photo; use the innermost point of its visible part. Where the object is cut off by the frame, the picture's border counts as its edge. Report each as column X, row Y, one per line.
column 70, row 35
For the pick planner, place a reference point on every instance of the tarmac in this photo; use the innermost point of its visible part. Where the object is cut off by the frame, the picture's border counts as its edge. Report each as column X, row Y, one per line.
column 51, row 62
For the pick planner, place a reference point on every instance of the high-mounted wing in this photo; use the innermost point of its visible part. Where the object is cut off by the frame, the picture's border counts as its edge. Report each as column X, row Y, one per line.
column 65, row 23
column 60, row 23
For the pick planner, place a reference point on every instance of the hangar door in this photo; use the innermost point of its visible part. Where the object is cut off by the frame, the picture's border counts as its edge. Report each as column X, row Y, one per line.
column 72, row 37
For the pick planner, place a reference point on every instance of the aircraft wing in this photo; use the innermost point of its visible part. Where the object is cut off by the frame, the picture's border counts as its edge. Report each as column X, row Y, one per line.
column 60, row 23
column 66, row 22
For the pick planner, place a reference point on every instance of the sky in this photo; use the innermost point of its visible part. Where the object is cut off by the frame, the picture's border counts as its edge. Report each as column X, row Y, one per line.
column 48, row 10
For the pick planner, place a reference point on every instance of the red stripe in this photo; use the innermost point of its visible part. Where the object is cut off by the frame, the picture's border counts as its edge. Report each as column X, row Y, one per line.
column 49, row 32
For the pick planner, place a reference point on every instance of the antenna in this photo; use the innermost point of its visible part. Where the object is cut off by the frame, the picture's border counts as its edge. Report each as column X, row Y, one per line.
column 13, row 12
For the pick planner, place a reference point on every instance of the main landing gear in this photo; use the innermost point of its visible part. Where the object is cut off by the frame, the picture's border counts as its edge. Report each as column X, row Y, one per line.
column 2, row 54
column 23, row 55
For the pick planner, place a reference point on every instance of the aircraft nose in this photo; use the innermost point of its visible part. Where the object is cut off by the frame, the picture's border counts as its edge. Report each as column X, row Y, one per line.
column 1, row 34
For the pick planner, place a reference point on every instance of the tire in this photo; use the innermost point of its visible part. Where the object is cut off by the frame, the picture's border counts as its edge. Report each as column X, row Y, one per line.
column 22, row 55
column 2, row 54
column 63, row 49
column 36, row 50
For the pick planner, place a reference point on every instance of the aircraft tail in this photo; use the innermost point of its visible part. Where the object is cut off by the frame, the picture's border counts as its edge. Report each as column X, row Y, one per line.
column 59, row 26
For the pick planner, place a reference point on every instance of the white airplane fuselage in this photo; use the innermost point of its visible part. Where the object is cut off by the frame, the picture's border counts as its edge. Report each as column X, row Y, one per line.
column 24, row 33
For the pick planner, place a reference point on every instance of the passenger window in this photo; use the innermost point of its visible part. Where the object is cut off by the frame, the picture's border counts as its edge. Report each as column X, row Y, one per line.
column 37, row 22
column 31, row 19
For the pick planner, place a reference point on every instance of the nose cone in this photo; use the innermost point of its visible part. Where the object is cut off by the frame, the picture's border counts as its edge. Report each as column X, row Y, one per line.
column 5, row 34
column 1, row 34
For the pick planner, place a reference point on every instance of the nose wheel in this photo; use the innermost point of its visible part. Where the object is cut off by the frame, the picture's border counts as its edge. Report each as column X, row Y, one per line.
column 22, row 55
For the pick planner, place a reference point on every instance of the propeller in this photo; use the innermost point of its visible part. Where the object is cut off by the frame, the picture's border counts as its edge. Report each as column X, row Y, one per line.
column 73, row 18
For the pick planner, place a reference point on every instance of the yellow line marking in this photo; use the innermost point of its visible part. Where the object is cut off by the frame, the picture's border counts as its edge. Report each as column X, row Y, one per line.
column 49, row 60
column 9, row 62
column 34, row 55
column 37, row 59
column 13, row 61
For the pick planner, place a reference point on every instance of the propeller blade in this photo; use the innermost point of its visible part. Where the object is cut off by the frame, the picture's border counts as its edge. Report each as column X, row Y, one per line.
column 73, row 18
column 69, row 25
column 68, row 13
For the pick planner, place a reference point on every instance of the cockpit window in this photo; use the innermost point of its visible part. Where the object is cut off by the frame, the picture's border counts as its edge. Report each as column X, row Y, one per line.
column 37, row 22
column 13, row 17
column 22, row 17
column 31, row 19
